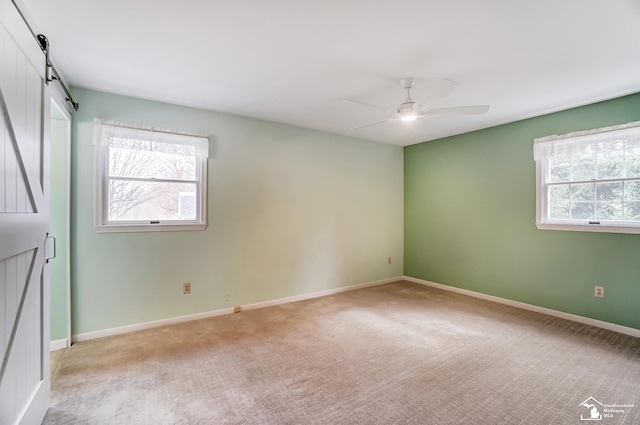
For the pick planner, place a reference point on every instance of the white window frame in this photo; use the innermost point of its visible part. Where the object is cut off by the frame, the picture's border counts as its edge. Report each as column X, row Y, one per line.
column 101, row 139
column 543, row 150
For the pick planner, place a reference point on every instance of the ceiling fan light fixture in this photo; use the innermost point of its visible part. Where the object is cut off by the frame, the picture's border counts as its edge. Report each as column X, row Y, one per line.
column 409, row 110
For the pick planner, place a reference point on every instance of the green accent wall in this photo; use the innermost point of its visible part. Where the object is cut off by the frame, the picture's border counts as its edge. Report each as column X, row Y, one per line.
column 470, row 221
column 291, row 211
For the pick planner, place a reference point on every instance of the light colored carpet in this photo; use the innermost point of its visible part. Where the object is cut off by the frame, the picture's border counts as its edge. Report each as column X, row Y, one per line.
column 399, row 353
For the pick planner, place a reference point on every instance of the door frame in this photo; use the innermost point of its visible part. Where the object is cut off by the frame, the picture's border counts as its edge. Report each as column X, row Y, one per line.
column 59, row 103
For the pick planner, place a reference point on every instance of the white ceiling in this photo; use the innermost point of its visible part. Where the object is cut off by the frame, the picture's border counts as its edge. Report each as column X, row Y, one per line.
column 295, row 61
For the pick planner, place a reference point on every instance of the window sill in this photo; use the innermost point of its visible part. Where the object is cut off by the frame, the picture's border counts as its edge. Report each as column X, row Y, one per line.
column 601, row 228
column 149, row 228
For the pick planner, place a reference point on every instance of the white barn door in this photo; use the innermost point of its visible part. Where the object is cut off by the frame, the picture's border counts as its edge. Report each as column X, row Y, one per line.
column 24, row 221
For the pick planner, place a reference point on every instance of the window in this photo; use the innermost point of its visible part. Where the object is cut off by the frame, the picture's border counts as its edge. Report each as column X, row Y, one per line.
column 589, row 180
column 149, row 179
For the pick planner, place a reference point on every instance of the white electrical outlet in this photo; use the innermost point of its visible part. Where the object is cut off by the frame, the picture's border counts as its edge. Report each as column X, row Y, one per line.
column 599, row 291
column 186, row 288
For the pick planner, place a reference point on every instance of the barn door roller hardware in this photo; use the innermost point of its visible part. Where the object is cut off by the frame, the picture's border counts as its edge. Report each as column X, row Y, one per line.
column 50, row 73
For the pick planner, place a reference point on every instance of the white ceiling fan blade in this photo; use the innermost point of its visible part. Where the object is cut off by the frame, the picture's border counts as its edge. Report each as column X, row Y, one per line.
column 374, row 123
column 366, row 104
column 458, row 110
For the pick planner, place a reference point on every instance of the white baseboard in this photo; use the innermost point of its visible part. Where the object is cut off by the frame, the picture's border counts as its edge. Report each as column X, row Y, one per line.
column 555, row 313
column 180, row 319
column 319, row 293
column 148, row 325
column 58, row 344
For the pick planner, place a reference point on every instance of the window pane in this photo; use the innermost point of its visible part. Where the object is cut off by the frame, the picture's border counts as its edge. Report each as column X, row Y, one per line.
column 558, row 202
column 584, row 171
column 632, row 157
column 558, row 209
column 559, row 169
column 609, row 211
column 632, row 211
column 582, row 211
column 147, row 201
column 128, row 162
column 609, row 191
column 610, row 169
column 559, row 192
column 560, row 174
column 632, row 191
column 632, row 167
column 582, row 192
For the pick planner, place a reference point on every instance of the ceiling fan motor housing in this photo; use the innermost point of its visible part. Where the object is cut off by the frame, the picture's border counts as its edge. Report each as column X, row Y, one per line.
column 406, row 107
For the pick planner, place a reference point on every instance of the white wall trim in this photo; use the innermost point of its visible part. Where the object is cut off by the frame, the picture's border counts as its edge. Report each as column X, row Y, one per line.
column 148, row 325
column 319, row 294
column 555, row 313
column 180, row 319
column 58, row 344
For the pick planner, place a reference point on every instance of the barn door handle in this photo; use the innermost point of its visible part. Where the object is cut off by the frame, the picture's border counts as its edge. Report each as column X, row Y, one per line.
column 54, row 247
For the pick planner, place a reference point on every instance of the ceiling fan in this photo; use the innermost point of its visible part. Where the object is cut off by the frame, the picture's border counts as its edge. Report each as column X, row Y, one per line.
column 409, row 110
